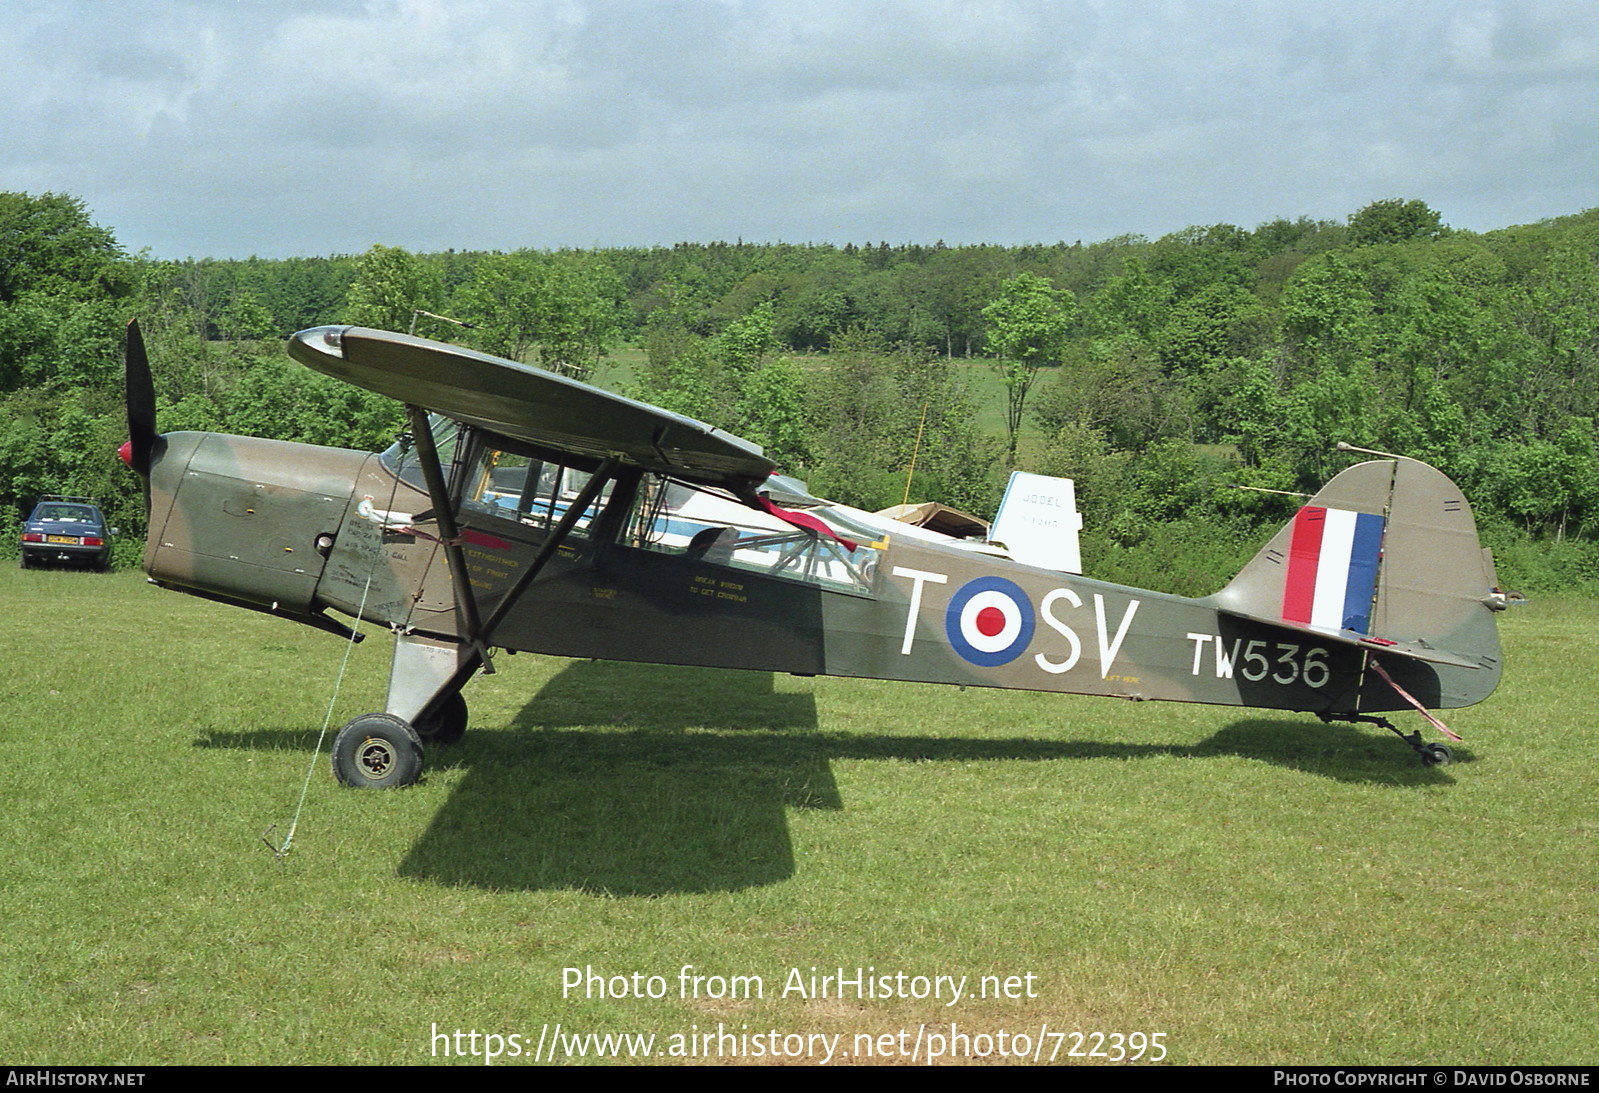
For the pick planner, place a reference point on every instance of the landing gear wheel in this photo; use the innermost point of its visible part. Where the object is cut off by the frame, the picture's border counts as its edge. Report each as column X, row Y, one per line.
column 1436, row 755
column 377, row 751
column 445, row 725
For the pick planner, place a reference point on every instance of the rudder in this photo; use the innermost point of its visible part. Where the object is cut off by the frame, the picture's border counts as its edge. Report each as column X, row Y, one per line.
column 1386, row 556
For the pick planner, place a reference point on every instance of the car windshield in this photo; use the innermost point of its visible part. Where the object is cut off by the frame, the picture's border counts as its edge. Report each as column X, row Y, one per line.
column 78, row 514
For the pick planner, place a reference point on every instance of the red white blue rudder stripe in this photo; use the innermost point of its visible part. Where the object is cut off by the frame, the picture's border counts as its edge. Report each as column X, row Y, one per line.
column 1333, row 558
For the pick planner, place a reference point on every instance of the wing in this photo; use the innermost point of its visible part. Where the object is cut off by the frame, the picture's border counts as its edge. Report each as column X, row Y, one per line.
column 529, row 404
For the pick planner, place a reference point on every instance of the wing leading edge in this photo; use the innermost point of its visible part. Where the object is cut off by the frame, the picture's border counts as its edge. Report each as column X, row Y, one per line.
column 530, row 404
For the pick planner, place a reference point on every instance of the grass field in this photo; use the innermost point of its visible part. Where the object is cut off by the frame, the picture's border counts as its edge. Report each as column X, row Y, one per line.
column 1257, row 889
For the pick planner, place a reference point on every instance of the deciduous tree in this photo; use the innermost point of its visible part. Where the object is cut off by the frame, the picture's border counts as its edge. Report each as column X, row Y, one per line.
column 391, row 285
column 1394, row 221
column 1028, row 325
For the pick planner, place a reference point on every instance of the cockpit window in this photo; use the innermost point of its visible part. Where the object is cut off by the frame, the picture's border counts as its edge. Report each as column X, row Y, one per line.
column 709, row 526
column 530, row 491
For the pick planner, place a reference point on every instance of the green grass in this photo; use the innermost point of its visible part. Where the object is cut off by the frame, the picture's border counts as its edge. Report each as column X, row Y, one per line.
column 1261, row 889
column 618, row 370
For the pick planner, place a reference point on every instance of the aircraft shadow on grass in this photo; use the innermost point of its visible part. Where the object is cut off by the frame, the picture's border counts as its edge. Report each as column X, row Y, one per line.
column 690, row 792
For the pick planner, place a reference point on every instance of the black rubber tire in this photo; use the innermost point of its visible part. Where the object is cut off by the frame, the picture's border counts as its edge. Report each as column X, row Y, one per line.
column 446, row 725
column 1437, row 755
column 377, row 751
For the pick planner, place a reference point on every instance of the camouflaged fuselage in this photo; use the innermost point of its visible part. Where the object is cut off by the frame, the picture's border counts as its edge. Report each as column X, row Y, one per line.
column 298, row 530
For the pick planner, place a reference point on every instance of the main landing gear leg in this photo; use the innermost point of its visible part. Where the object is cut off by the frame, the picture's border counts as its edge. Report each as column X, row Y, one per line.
column 424, row 708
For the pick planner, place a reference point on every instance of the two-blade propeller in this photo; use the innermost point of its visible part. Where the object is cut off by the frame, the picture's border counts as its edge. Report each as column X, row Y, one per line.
column 139, row 452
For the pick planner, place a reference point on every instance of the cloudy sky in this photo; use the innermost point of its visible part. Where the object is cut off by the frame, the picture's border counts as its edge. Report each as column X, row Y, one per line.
column 226, row 128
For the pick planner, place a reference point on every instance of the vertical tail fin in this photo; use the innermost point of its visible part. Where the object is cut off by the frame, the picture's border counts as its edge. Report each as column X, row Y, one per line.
column 1386, row 553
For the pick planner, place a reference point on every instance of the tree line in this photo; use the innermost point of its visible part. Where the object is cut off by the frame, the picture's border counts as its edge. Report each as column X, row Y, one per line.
column 1159, row 373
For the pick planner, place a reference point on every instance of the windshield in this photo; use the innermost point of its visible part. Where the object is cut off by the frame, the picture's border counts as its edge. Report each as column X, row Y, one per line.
column 78, row 514
column 400, row 457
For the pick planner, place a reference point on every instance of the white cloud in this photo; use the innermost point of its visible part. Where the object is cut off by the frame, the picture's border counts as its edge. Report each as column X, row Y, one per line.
column 220, row 128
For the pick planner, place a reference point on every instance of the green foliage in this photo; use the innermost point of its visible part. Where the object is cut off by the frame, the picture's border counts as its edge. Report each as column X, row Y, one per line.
column 1551, row 308
column 682, row 375
column 1394, row 221
column 1217, row 323
column 67, row 443
column 503, row 303
column 59, row 339
column 1137, row 504
column 1028, row 324
column 1115, row 386
column 875, row 410
column 1477, row 352
column 275, row 397
column 745, row 342
column 732, row 381
column 1080, row 451
column 1549, row 487
column 1538, row 566
column 565, row 308
column 64, row 283
column 391, row 285
column 48, row 244
column 1328, row 312
column 1129, row 303
column 1184, row 558
column 245, row 318
column 61, row 282
column 771, row 404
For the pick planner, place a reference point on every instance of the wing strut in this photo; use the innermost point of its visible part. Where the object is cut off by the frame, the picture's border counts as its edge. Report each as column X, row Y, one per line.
column 433, row 474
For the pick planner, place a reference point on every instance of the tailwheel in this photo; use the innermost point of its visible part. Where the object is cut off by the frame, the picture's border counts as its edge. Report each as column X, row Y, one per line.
column 1432, row 755
column 377, row 751
column 1436, row 755
column 445, row 724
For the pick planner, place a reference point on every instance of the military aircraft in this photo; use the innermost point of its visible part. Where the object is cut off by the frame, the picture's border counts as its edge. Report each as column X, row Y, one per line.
column 526, row 511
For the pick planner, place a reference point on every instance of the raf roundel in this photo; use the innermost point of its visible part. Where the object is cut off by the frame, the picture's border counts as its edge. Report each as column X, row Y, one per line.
column 989, row 621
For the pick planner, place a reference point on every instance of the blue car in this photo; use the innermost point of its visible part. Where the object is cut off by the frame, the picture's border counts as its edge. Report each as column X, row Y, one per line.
column 66, row 531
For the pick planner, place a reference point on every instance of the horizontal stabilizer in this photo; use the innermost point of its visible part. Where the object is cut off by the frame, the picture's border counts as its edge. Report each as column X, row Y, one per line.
column 1416, row 650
